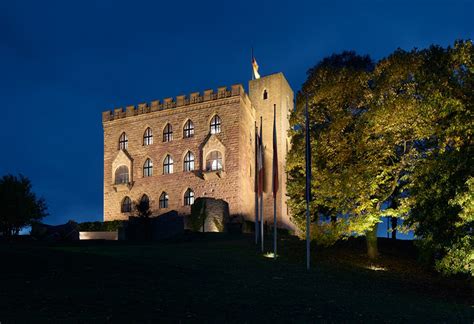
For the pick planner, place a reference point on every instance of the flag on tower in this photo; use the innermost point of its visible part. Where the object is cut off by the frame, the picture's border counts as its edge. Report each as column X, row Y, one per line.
column 256, row 75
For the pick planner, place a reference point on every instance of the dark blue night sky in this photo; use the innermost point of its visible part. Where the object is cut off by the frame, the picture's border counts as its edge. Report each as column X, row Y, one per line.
column 62, row 64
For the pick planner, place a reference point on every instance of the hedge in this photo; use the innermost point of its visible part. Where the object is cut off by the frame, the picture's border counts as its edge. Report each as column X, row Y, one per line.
column 110, row 226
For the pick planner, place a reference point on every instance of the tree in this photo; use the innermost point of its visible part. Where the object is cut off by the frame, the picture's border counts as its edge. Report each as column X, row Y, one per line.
column 441, row 191
column 142, row 207
column 395, row 140
column 338, row 94
column 19, row 205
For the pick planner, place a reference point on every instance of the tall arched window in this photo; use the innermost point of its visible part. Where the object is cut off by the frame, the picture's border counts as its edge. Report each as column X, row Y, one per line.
column 188, row 129
column 148, row 168
column 215, row 125
column 265, row 94
column 188, row 197
column 145, row 203
column 168, row 165
column 121, row 175
column 164, row 200
column 168, row 133
column 214, row 161
column 123, row 141
column 189, row 161
column 148, row 137
column 126, row 205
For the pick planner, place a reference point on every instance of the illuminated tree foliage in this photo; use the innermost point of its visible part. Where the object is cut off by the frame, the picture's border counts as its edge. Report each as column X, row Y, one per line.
column 390, row 140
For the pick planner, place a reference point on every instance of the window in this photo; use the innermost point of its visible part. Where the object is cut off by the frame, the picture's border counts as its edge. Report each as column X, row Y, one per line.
column 148, row 168
column 148, row 137
column 189, row 161
column 123, row 142
column 168, row 133
column 188, row 130
column 188, row 197
column 145, row 203
column 265, row 94
column 214, row 161
column 121, row 175
column 126, row 206
column 215, row 125
column 168, row 165
column 164, row 200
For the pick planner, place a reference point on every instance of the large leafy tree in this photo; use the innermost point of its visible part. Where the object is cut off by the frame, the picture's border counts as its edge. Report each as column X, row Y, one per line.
column 383, row 141
column 337, row 92
column 19, row 206
column 442, row 190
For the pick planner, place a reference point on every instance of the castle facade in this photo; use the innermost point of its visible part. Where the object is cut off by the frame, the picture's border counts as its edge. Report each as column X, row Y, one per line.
column 167, row 154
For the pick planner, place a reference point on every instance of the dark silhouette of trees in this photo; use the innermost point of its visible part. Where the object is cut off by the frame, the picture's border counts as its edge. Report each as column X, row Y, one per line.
column 19, row 206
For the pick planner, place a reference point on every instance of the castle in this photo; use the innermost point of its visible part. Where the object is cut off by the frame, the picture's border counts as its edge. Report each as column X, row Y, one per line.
column 166, row 154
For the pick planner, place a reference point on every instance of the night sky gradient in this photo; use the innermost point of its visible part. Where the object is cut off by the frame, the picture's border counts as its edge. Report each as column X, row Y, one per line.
column 64, row 62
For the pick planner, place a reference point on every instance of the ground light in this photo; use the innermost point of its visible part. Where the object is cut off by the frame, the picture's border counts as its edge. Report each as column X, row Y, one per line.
column 270, row 255
column 376, row 268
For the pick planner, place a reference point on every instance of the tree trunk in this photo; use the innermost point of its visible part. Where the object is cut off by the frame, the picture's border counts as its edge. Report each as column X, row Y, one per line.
column 394, row 228
column 371, row 238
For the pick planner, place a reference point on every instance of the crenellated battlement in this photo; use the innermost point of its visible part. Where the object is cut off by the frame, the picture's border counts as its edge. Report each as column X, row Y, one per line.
column 170, row 103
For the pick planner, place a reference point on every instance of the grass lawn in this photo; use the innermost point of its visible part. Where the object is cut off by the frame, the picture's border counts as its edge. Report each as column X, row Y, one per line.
column 217, row 278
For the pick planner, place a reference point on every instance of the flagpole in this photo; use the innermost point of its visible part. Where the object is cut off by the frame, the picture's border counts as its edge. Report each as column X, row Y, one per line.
column 308, row 184
column 251, row 64
column 274, row 185
column 256, row 185
column 261, row 196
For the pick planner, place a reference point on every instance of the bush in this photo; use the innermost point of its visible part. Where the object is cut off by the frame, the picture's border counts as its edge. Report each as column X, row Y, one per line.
column 110, row 226
column 459, row 258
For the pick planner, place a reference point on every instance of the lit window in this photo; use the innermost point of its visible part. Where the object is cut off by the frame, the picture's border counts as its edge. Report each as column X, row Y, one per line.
column 121, row 175
column 214, row 161
column 168, row 133
column 126, row 206
column 168, row 165
column 189, row 161
column 148, row 168
column 265, row 95
column 145, row 202
column 215, row 125
column 164, row 200
column 188, row 130
column 148, row 137
column 188, row 197
column 123, row 142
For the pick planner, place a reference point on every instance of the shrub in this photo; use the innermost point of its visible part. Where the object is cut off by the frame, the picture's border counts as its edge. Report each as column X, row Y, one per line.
column 109, row 226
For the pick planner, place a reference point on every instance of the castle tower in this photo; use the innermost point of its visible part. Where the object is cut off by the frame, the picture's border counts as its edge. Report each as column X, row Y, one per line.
column 264, row 93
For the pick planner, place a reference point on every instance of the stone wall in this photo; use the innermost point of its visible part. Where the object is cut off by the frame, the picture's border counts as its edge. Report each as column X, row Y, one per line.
column 234, row 109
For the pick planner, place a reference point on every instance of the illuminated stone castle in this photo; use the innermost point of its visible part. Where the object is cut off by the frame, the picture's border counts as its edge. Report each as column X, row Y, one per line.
column 169, row 153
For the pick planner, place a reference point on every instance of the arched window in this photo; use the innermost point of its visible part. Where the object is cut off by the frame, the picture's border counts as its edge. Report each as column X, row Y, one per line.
column 121, row 175
column 188, row 197
column 123, row 141
column 126, row 205
column 215, row 125
column 145, row 202
column 214, row 161
column 148, row 168
column 188, row 130
column 168, row 165
column 164, row 200
column 168, row 133
column 189, row 161
column 148, row 137
column 265, row 94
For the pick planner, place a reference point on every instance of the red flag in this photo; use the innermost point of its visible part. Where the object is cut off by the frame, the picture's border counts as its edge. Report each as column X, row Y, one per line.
column 260, row 161
column 275, row 156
